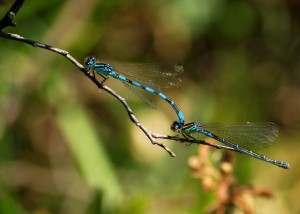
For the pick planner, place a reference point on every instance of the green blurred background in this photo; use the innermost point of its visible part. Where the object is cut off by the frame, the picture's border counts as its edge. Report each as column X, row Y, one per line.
column 67, row 147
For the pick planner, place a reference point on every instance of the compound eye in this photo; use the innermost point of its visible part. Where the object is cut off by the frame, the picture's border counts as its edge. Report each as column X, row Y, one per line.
column 175, row 126
column 89, row 61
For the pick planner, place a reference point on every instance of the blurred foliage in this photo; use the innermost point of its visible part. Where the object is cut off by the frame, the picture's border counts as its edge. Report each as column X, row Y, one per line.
column 67, row 147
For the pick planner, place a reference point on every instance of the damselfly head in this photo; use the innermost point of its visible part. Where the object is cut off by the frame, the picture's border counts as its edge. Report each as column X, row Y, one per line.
column 176, row 126
column 89, row 62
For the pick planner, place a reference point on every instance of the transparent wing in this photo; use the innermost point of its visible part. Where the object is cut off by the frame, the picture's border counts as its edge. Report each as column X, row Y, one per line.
column 248, row 135
column 156, row 76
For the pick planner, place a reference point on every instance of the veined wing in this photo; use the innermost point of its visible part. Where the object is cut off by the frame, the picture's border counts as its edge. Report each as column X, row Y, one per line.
column 248, row 135
column 156, row 76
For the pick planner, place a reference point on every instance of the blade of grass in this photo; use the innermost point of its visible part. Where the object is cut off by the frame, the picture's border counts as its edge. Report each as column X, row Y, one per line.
column 89, row 154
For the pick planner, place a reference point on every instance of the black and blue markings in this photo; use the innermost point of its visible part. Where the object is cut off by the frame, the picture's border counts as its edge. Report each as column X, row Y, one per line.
column 252, row 134
column 107, row 70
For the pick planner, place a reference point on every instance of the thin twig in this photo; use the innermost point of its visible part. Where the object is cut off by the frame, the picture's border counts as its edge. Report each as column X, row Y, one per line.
column 192, row 141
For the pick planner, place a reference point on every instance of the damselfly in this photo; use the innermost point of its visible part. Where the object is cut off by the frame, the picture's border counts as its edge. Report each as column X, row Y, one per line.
column 142, row 78
column 237, row 136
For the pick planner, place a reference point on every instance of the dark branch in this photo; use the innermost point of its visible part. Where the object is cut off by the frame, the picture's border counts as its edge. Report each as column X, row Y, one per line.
column 192, row 141
column 92, row 78
column 10, row 15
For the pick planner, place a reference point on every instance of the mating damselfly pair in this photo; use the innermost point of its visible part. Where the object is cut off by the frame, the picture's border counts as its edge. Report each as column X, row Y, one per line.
column 152, row 78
